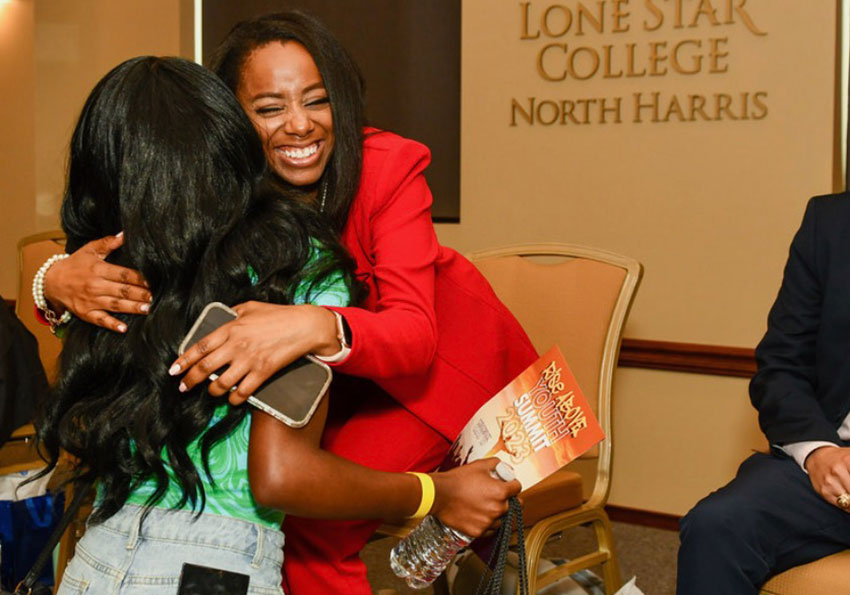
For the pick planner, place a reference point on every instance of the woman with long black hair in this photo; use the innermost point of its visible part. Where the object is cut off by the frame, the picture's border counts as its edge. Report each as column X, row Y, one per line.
column 163, row 151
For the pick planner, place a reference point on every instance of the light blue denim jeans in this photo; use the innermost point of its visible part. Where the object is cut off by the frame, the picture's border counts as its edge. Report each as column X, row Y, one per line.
column 119, row 557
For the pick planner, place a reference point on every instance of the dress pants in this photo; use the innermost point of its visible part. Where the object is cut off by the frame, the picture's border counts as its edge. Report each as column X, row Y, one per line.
column 322, row 556
column 766, row 520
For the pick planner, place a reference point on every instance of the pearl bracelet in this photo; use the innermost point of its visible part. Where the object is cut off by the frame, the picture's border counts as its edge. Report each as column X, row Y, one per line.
column 38, row 294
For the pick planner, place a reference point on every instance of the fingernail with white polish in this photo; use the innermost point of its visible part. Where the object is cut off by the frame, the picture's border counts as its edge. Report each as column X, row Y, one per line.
column 145, row 308
column 182, row 388
column 120, row 234
column 122, row 328
column 175, row 369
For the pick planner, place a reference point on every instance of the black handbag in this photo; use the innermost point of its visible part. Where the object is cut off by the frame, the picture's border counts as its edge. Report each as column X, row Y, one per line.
column 30, row 586
column 499, row 557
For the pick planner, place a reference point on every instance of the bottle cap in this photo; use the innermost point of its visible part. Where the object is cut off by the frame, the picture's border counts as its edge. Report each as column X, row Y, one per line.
column 504, row 472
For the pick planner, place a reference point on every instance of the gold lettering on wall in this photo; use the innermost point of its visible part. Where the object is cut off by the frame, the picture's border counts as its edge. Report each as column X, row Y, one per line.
column 645, row 107
column 588, row 40
column 560, row 61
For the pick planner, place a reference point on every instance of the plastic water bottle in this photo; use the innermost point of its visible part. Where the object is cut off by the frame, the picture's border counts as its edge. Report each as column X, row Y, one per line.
column 423, row 555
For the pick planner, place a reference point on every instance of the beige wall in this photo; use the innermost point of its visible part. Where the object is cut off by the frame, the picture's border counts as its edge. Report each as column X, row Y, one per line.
column 678, row 437
column 58, row 49
column 17, row 131
column 708, row 207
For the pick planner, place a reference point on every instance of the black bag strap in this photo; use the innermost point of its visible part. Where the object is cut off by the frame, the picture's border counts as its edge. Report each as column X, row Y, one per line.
column 500, row 553
column 28, row 585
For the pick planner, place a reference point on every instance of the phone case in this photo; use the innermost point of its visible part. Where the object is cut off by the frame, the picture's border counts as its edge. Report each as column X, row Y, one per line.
column 292, row 394
column 203, row 580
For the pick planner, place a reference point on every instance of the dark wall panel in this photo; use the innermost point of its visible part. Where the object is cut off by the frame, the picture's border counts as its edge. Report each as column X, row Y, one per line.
column 409, row 52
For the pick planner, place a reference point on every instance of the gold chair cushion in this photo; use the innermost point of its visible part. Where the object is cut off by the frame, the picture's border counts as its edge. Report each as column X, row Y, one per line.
column 559, row 492
column 828, row 575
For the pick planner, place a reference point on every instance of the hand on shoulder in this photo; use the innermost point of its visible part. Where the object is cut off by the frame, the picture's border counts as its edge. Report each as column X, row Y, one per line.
column 262, row 340
column 92, row 288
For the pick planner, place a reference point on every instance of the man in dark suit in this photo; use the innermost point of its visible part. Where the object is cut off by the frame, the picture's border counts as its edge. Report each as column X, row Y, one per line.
column 791, row 506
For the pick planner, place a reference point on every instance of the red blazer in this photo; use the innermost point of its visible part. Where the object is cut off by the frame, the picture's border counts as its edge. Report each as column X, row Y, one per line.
column 431, row 332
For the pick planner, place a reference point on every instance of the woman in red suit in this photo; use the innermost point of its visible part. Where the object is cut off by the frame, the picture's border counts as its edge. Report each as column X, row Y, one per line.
column 429, row 344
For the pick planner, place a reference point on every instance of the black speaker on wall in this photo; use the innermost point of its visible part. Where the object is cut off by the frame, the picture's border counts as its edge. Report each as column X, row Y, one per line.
column 409, row 52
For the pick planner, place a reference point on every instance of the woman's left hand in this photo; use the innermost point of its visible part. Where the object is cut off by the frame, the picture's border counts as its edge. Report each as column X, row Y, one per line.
column 470, row 499
column 264, row 338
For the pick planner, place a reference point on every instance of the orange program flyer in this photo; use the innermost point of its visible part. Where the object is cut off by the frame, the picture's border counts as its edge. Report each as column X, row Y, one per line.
column 537, row 424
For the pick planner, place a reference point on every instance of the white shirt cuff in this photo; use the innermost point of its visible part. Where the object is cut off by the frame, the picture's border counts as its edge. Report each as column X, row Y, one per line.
column 800, row 450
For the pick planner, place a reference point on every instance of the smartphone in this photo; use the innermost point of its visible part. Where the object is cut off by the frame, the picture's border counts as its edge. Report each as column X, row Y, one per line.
column 292, row 394
column 203, row 580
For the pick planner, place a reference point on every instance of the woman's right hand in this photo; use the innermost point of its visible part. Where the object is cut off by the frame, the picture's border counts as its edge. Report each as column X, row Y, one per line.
column 91, row 288
column 469, row 499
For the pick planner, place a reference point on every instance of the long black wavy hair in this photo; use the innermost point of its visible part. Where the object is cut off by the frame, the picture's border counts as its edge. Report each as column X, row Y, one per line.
column 343, row 81
column 163, row 151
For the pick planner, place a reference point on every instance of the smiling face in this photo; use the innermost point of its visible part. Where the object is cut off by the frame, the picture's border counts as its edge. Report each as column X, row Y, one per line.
column 281, row 90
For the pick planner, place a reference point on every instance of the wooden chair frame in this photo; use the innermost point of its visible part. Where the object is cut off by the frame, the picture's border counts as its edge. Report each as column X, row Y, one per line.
column 25, row 285
column 48, row 345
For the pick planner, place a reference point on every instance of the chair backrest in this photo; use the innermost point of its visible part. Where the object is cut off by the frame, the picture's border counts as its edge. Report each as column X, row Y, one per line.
column 578, row 298
column 32, row 252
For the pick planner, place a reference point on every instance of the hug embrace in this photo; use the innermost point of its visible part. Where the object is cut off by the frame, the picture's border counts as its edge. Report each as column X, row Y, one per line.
column 260, row 186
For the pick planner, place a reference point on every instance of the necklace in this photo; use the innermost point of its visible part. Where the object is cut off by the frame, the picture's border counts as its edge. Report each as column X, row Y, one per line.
column 324, row 198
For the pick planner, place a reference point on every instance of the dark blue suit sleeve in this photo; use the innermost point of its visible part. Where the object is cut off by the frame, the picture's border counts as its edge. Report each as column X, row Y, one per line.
column 784, row 390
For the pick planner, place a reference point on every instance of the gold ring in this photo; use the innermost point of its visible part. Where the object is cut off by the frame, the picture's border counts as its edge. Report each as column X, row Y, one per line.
column 843, row 501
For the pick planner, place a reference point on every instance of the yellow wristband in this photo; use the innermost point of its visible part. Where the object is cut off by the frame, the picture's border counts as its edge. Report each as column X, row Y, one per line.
column 428, row 493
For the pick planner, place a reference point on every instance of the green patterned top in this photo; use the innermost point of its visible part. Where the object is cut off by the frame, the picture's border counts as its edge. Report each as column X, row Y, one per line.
column 230, row 494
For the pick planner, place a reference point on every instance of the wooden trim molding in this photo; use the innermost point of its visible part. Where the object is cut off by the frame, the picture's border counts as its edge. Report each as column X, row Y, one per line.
column 644, row 518
column 717, row 360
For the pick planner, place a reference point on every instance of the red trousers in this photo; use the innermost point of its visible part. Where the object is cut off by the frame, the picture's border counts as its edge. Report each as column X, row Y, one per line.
column 322, row 556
